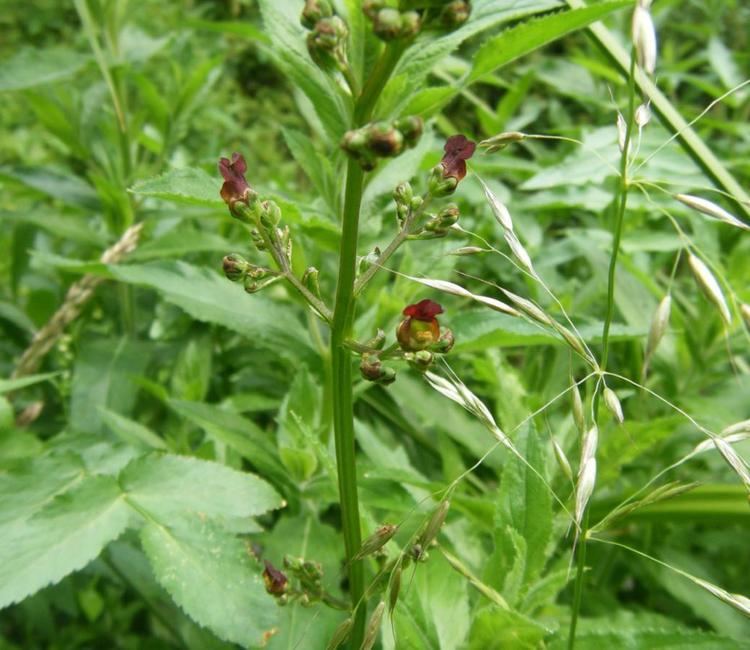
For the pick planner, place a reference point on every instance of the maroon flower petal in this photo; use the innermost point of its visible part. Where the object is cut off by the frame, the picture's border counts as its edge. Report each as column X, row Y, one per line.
column 424, row 310
column 458, row 149
column 235, row 186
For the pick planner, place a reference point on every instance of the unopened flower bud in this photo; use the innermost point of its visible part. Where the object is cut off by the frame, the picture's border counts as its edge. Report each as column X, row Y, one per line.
column 445, row 342
column 385, row 140
column 310, row 279
column 416, row 203
column 270, row 214
column 420, row 360
column 314, row 10
column 371, row 7
column 455, row 13
column 410, row 24
column 276, row 581
column 376, row 541
column 387, row 24
column 403, row 193
column 235, row 267
column 372, row 369
column 439, row 184
column 448, row 215
column 378, row 341
column 411, row 128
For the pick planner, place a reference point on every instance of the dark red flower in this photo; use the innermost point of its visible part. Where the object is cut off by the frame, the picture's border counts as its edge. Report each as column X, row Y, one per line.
column 235, row 187
column 420, row 329
column 425, row 310
column 458, row 149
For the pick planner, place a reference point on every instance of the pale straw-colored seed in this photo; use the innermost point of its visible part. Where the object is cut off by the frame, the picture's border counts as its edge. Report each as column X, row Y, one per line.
column 734, row 460
column 373, row 627
column 577, row 405
column 376, row 541
column 659, row 324
column 519, row 252
column 738, row 601
column 502, row 140
column 642, row 115
column 745, row 311
column 612, row 402
column 644, row 37
column 340, row 634
column 588, row 448
column 585, row 488
column 458, row 290
column 729, row 438
column 622, row 131
column 738, row 427
column 710, row 286
column 711, row 209
column 562, row 460
column 467, row 250
column 528, row 308
column 573, row 341
column 502, row 216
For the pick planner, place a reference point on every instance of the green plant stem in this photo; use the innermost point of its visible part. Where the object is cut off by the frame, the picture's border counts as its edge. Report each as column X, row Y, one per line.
column 621, row 205
column 399, row 239
column 341, row 363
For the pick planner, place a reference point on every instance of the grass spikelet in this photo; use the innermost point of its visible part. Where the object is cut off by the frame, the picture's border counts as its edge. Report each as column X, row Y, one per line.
column 434, row 525
column 519, row 252
column 710, row 209
column 577, row 407
column 734, row 460
column 745, row 311
column 737, row 427
column 373, row 627
column 340, row 634
column 659, row 324
column 528, row 308
column 585, row 488
column 502, row 140
column 458, row 290
column 502, row 215
column 729, row 438
column 710, row 287
column 562, row 460
column 739, row 602
column 612, row 402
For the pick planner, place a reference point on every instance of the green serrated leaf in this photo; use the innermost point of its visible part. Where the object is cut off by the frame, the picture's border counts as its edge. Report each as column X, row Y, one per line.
column 130, row 431
column 63, row 537
column 527, row 37
column 208, row 297
column 189, row 185
column 167, row 486
column 211, row 576
column 31, row 67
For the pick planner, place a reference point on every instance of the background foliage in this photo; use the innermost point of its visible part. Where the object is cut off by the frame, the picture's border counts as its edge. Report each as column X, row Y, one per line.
column 179, row 429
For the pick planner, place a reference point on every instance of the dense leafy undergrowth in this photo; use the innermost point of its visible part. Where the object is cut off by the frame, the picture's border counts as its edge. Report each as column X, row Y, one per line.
column 180, row 458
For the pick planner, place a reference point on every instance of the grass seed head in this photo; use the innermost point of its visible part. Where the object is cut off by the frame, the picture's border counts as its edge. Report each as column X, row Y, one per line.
column 644, row 37
column 711, row 209
column 373, row 627
column 577, row 406
column 562, row 460
column 585, row 488
column 710, row 286
column 659, row 324
column 612, row 402
column 340, row 634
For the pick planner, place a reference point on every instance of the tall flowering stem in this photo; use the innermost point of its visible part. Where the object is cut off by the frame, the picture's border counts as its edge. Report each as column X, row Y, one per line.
column 341, row 361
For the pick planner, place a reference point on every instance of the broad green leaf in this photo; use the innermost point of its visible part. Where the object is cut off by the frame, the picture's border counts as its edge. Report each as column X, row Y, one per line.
column 29, row 485
column 239, row 433
column 525, row 506
column 211, row 576
column 130, row 431
column 496, row 629
column 29, row 67
column 168, row 485
column 10, row 385
column 528, row 36
column 68, row 227
column 179, row 242
column 208, row 297
column 316, row 165
column 298, row 417
column 188, row 185
column 65, row 536
column 103, row 377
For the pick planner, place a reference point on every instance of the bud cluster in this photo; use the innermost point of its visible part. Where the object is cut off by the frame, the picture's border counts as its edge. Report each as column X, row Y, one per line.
column 388, row 23
column 254, row 278
column 382, row 140
column 326, row 41
column 308, row 581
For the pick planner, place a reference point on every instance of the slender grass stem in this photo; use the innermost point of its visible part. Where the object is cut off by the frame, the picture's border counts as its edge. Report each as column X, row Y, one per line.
column 341, row 363
column 621, row 205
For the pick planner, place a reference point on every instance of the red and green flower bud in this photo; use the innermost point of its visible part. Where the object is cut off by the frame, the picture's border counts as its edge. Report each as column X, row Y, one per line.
column 235, row 191
column 314, row 10
column 411, row 128
column 276, row 581
column 410, row 24
column 420, row 328
column 376, row 541
column 371, row 7
column 439, row 184
column 235, row 267
column 387, row 24
column 455, row 13
column 452, row 168
column 448, row 215
column 385, row 140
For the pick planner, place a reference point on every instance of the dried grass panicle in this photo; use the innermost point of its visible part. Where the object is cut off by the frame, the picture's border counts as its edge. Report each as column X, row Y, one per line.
column 711, row 209
column 710, row 287
column 457, row 290
column 77, row 296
